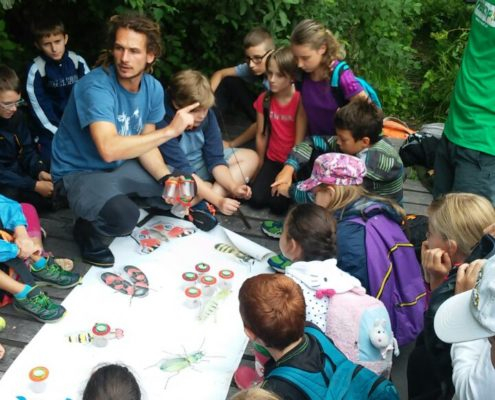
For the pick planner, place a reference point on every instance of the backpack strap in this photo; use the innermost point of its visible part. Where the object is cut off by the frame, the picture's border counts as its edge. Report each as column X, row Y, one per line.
column 335, row 83
column 267, row 126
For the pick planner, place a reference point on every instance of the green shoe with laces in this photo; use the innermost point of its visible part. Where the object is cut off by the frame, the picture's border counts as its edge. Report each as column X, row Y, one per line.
column 272, row 228
column 54, row 275
column 39, row 306
column 279, row 263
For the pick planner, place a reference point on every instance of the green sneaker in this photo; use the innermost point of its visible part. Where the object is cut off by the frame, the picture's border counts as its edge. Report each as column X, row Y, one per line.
column 39, row 306
column 272, row 228
column 279, row 263
column 53, row 275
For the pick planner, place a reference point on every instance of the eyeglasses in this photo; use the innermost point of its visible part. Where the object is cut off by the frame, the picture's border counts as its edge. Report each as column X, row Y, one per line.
column 11, row 106
column 257, row 59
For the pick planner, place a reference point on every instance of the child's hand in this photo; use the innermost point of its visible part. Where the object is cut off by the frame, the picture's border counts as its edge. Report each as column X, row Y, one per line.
column 183, row 119
column 490, row 230
column 44, row 176
column 281, row 190
column 283, row 181
column 228, row 206
column 44, row 188
column 27, row 247
column 436, row 265
column 467, row 275
column 242, row 192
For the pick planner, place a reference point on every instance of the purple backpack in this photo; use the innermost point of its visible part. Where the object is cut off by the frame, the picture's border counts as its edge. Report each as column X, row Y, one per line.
column 394, row 274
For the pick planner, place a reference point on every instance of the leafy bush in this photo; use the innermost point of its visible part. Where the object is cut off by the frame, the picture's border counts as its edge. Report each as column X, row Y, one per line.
column 409, row 50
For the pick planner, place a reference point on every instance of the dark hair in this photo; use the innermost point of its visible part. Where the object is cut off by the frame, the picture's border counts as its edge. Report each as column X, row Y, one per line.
column 362, row 118
column 256, row 36
column 47, row 26
column 272, row 306
column 112, row 382
column 284, row 59
column 314, row 229
column 138, row 23
column 8, row 79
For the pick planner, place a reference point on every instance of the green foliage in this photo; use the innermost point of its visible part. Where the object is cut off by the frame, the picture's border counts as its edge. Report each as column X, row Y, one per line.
column 409, row 50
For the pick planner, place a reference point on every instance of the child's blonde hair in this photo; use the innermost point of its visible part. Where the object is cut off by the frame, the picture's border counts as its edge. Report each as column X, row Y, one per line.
column 461, row 217
column 190, row 86
column 284, row 59
column 311, row 33
column 255, row 393
column 348, row 194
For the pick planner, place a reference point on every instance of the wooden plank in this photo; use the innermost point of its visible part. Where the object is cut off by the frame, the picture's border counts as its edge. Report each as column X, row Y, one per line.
column 11, row 353
column 19, row 330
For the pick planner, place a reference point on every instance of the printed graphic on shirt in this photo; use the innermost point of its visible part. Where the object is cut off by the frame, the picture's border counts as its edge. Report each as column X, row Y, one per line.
column 130, row 124
column 281, row 117
column 62, row 82
column 485, row 12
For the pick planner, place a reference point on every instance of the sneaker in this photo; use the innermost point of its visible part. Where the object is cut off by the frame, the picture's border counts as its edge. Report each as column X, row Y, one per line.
column 272, row 228
column 279, row 263
column 202, row 215
column 54, row 275
column 39, row 306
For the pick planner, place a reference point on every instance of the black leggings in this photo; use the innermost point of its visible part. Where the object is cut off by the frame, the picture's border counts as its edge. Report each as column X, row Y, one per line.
column 262, row 195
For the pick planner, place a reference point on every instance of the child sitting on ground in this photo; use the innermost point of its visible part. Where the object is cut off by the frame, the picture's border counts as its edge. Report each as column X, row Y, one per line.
column 309, row 240
column 23, row 175
column 50, row 79
column 112, row 382
column 273, row 312
column 229, row 84
column 199, row 151
column 456, row 224
column 370, row 241
column 280, row 124
column 27, row 259
column 359, row 126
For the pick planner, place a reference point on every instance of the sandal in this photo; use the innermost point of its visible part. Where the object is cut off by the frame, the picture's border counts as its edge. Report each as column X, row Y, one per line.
column 139, row 279
column 118, row 283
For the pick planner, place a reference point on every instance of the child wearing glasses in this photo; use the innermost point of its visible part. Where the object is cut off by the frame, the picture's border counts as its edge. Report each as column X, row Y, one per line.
column 50, row 79
column 23, row 175
column 229, row 84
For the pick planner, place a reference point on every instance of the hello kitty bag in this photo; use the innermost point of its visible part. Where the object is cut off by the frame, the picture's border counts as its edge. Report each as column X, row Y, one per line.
column 358, row 324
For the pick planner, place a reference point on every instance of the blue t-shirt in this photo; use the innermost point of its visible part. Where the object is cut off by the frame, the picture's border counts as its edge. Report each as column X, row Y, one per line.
column 244, row 72
column 97, row 97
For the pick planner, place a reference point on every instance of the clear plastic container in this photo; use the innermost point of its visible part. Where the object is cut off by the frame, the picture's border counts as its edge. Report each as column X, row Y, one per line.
column 189, row 279
column 193, row 297
column 38, row 379
column 226, row 277
column 208, row 283
column 101, row 333
column 202, row 268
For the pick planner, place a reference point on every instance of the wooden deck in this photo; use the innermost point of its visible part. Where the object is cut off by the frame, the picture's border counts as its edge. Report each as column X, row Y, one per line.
column 20, row 330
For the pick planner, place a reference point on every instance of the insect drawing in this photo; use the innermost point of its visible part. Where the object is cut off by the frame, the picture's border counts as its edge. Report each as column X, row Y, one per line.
column 234, row 252
column 178, row 363
column 210, row 307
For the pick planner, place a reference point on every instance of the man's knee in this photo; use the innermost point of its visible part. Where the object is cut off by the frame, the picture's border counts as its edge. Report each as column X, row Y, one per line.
column 118, row 217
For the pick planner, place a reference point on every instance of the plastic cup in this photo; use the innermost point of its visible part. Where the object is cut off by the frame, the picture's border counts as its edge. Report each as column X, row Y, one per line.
column 38, row 377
